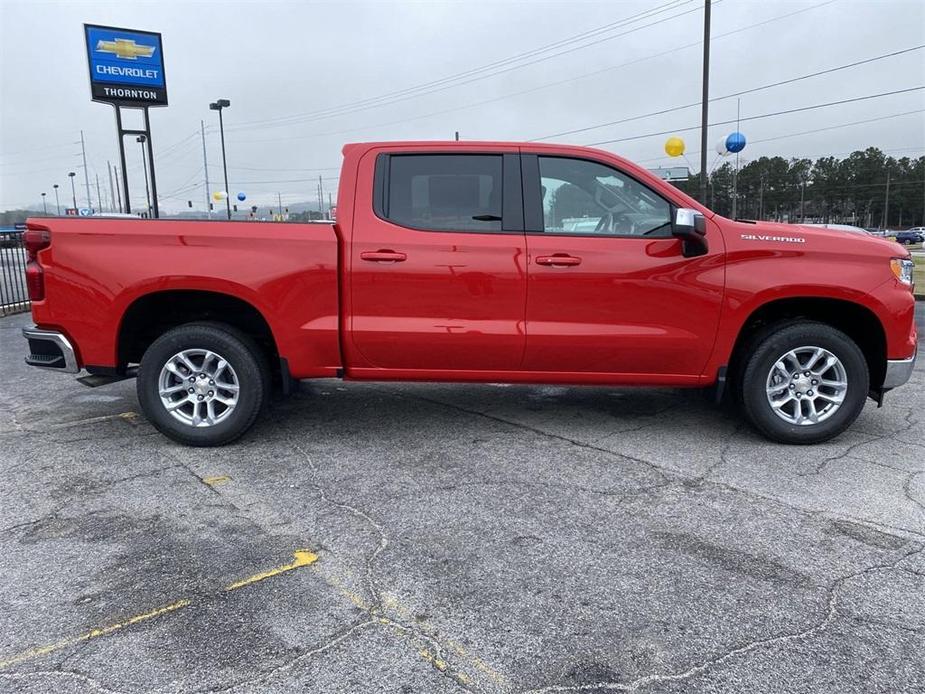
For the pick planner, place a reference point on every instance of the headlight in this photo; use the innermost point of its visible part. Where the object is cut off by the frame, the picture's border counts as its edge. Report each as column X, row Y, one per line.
column 902, row 269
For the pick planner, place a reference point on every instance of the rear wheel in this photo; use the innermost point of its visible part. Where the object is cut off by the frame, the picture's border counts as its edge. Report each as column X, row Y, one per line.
column 202, row 384
column 804, row 383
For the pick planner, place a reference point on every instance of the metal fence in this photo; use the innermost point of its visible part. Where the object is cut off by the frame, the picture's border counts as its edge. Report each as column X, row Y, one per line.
column 14, row 297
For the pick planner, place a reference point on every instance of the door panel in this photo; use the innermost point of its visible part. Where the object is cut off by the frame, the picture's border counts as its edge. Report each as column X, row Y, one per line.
column 432, row 298
column 631, row 306
column 608, row 288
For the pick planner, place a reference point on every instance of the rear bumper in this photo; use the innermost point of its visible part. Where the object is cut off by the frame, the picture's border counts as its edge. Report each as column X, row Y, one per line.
column 898, row 371
column 49, row 349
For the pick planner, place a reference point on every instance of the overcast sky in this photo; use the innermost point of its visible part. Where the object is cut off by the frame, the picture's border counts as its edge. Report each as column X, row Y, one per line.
column 303, row 79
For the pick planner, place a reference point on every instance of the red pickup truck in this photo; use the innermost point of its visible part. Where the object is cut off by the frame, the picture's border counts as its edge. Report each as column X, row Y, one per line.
column 477, row 261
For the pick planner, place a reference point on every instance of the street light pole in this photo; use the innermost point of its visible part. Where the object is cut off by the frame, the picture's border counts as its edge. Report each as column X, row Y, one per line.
column 57, row 204
column 71, row 175
column 144, row 164
column 218, row 106
column 44, row 209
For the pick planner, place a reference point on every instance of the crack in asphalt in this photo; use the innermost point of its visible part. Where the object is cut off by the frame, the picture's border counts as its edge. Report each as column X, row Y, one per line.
column 847, row 453
column 907, row 489
column 96, row 684
column 55, row 513
column 695, row 670
column 722, row 460
column 324, row 646
column 665, row 473
column 375, row 608
column 672, row 475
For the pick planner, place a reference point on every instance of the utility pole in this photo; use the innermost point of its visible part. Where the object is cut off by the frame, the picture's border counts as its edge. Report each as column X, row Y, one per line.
column 112, row 190
column 886, row 204
column 320, row 197
column 735, row 171
column 457, row 136
column 205, row 167
column 99, row 199
column 83, row 151
column 802, row 196
column 119, row 189
column 760, row 196
column 705, row 103
column 330, row 206
column 279, row 202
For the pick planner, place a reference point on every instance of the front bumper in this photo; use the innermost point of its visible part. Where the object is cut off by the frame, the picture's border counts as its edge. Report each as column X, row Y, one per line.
column 49, row 349
column 898, row 371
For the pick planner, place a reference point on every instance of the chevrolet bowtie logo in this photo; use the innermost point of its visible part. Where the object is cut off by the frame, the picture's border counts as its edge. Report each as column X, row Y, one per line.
column 126, row 49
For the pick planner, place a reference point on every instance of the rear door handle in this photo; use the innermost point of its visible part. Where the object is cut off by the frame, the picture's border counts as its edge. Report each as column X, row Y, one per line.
column 383, row 256
column 558, row 260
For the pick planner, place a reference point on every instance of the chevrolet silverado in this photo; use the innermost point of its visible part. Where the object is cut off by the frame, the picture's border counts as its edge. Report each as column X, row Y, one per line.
column 479, row 262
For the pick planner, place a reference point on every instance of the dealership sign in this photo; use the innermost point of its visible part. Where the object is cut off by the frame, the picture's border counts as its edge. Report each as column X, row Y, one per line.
column 126, row 66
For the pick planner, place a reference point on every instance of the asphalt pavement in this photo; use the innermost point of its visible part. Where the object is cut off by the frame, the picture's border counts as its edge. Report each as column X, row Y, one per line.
column 437, row 538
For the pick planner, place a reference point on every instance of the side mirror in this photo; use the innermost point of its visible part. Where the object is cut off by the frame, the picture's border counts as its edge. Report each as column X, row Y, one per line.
column 691, row 227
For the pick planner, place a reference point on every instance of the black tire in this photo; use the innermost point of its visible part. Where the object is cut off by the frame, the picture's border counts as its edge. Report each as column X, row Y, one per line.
column 241, row 353
column 776, row 341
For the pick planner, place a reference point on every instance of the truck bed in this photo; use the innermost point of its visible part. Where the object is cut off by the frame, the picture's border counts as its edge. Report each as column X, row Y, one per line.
column 97, row 269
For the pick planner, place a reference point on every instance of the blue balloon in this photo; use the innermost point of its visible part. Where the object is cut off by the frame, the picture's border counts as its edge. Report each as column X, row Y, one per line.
column 735, row 142
column 242, row 197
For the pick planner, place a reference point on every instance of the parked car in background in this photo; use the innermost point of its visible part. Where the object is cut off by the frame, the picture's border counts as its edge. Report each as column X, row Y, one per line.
column 911, row 236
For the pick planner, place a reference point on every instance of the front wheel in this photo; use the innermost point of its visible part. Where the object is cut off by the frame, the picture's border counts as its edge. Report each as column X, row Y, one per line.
column 202, row 384
column 804, row 383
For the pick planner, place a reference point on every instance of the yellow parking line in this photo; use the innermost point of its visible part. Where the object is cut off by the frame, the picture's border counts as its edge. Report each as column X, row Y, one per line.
column 216, row 480
column 302, row 557
column 126, row 416
column 92, row 634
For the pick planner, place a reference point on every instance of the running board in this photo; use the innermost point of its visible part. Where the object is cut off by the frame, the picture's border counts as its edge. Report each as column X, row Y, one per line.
column 95, row 380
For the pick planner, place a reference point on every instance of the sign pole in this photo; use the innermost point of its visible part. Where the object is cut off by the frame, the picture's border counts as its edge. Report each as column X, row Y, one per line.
column 126, row 69
column 151, row 164
column 128, row 204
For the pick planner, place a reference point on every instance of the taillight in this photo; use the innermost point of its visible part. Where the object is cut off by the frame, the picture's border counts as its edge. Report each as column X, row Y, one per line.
column 35, row 240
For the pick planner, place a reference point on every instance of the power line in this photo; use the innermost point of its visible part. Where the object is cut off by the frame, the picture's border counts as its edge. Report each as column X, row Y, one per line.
column 810, row 132
column 289, row 180
column 252, row 168
column 758, row 117
column 734, row 94
column 471, row 71
column 541, row 87
column 387, row 99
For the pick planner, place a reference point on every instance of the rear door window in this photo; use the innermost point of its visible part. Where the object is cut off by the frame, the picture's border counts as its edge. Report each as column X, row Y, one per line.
column 445, row 192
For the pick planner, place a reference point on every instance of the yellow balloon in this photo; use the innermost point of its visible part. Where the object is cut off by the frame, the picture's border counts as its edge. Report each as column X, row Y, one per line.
column 674, row 147
column 219, row 195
